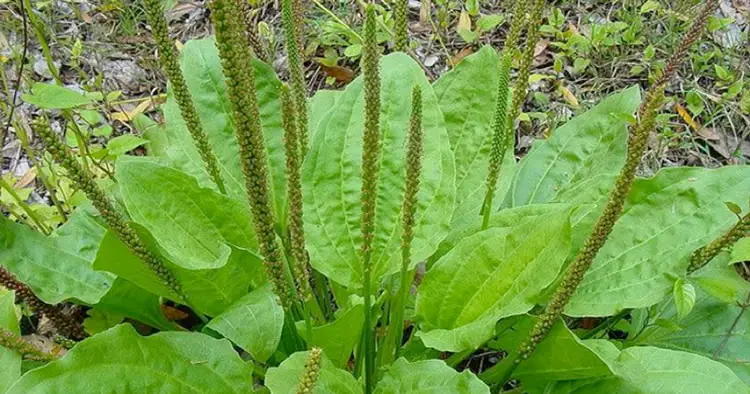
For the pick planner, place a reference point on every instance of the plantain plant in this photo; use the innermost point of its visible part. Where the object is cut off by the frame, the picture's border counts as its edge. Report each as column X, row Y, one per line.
column 383, row 238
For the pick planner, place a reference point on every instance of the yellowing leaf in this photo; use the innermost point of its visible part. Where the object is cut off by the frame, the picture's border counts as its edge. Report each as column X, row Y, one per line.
column 569, row 97
column 685, row 115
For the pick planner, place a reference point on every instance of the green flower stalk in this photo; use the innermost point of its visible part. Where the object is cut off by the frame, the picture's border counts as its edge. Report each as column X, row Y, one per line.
column 370, row 169
column 11, row 341
column 312, row 370
column 705, row 254
column 637, row 141
column 499, row 142
column 414, row 152
column 291, row 15
column 522, row 81
column 171, row 68
column 63, row 323
column 115, row 220
column 400, row 25
column 301, row 266
column 251, row 32
column 243, row 95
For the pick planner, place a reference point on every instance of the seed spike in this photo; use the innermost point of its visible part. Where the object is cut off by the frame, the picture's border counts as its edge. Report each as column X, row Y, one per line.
column 54, row 313
column 243, row 95
column 115, row 220
column 171, row 68
column 400, row 16
column 500, row 138
column 637, row 141
column 311, row 372
column 9, row 340
column 705, row 254
column 291, row 14
column 301, row 266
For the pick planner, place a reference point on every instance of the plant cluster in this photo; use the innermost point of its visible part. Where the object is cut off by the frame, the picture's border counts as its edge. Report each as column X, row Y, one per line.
column 383, row 238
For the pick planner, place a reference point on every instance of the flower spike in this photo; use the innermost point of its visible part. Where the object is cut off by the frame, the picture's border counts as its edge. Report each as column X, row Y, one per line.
column 11, row 341
column 705, row 254
column 401, row 16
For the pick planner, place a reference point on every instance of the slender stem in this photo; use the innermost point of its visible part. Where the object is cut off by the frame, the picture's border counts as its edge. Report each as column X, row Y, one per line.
column 38, row 26
column 21, row 133
column 21, row 203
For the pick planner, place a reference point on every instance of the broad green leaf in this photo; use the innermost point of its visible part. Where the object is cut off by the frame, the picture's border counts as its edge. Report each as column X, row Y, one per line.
column 129, row 300
column 210, row 291
column 51, row 96
column 203, row 73
column 318, row 105
column 505, row 218
column 338, row 338
column 684, row 297
column 101, row 320
column 253, row 322
column 9, row 360
column 50, row 266
column 705, row 330
column 579, row 162
column 331, row 380
column 428, row 377
column 194, row 225
column 121, row 361
column 509, row 267
column 741, row 251
column 721, row 280
column 332, row 178
column 123, row 144
column 561, row 356
column 654, row 370
column 665, row 219
column 469, row 106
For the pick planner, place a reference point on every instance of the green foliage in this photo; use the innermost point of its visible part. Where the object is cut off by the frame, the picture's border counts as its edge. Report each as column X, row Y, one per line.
column 663, row 326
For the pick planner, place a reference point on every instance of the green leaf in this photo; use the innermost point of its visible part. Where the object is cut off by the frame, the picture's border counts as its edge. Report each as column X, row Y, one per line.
column 194, row 225
column 579, row 163
column 51, row 267
column 468, row 108
column 665, row 219
column 684, row 297
column 332, row 181
column 705, row 330
column 430, row 376
column 51, row 96
column 120, row 360
column 339, row 337
column 101, row 320
column 650, row 5
column 561, row 356
column 129, row 300
column 202, row 69
column 486, row 23
column 210, row 291
column 654, row 370
column 10, row 360
column 721, row 280
column 318, row 105
column 253, row 322
column 123, row 144
column 331, row 380
column 511, row 266
column 740, row 251
column 733, row 207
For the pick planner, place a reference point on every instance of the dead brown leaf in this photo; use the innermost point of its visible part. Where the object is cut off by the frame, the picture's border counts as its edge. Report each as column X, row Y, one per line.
column 173, row 314
column 341, row 74
column 461, row 55
column 26, row 179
